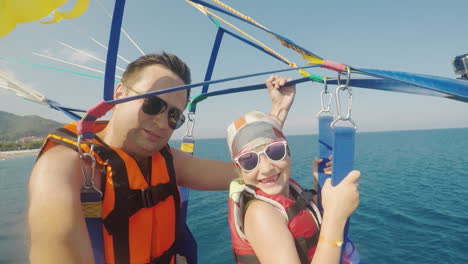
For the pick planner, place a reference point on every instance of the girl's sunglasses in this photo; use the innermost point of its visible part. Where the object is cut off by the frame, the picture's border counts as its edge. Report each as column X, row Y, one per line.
column 154, row 105
column 275, row 151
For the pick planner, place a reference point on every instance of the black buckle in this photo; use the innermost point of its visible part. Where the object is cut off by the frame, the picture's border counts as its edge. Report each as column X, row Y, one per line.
column 308, row 195
column 147, row 198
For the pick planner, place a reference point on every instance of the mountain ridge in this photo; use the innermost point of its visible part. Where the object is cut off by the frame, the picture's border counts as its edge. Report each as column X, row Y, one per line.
column 13, row 127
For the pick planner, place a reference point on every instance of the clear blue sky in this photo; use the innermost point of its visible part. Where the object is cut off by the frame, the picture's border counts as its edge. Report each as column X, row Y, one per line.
column 413, row 36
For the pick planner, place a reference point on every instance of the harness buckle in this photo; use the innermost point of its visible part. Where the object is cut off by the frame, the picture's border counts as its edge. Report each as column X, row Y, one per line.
column 146, row 198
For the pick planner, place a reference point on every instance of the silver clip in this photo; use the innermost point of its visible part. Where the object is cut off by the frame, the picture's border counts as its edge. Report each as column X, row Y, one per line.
column 348, row 77
column 190, row 124
column 325, row 92
column 88, row 178
column 344, row 87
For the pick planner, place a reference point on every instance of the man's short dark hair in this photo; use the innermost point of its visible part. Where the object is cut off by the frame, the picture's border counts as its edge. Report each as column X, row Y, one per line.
column 169, row 61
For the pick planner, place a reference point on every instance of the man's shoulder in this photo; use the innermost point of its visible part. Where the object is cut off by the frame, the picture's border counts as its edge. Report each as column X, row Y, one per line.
column 57, row 170
column 59, row 153
column 57, row 160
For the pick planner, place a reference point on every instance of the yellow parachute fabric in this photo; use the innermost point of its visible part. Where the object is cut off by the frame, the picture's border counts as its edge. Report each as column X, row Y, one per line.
column 13, row 12
column 79, row 9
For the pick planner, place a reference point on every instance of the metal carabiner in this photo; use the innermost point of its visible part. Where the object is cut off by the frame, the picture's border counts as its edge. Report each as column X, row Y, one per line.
column 88, row 178
column 190, row 124
column 325, row 92
column 348, row 77
column 340, row 115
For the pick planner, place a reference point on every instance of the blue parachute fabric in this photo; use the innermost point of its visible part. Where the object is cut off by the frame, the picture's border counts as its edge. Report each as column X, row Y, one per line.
column 449, row 88
column 94, row 226
column 389, row 85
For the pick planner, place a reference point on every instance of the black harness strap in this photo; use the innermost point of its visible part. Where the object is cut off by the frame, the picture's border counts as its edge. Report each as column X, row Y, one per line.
column 303, row 244
column 303, row 200
column 129, row 201
column 117, row 222
column 136, row 200
column 246, row 259
column 165, row 257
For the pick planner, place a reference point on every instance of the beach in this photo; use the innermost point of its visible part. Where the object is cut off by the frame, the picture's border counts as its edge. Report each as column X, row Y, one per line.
column 18, row 154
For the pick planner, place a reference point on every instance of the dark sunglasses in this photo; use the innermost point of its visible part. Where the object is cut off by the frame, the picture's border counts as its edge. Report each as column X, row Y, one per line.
column 275, row 151
column 154, row 105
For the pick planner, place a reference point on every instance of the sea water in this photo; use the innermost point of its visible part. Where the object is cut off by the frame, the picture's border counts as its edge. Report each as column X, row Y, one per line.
column 413, row 209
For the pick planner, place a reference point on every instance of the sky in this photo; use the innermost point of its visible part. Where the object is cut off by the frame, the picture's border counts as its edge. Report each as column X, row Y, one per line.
column 411, row 36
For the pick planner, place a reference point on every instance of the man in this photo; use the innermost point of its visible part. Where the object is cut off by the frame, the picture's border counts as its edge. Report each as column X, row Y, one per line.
column 134, row 144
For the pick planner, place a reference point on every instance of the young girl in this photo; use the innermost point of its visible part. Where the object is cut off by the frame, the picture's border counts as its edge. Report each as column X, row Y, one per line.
column 272, row 219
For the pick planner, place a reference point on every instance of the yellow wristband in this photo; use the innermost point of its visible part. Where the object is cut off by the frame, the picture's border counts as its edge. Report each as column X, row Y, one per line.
column 335, row 243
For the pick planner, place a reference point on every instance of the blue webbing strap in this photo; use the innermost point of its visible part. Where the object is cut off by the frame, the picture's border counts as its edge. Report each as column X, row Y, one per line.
column 325, row 142
column 111, row 60
column 228, row 91
column 66, row 112
column 253, row 87
column 94, row 225
column 186, row 245
column 264, row 29
column 251, row 43
column 343, row 162
column 214, row 55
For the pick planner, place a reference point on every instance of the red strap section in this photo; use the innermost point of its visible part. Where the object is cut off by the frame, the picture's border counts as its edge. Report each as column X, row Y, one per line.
column 331, row 65
column 84, row 126
column 99, row 109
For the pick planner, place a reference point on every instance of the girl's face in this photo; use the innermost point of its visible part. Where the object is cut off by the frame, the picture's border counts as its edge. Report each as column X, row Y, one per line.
column 267, row 167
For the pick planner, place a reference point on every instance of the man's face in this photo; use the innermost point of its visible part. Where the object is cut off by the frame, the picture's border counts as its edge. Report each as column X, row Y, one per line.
column 144, row 134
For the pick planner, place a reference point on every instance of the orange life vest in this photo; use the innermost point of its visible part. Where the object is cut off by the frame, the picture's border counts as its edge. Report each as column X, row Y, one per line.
column 304, row 219
column 139, row 218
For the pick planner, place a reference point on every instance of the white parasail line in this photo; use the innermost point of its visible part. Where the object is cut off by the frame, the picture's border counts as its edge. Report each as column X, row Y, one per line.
column 87, row 54
column 122, row 29
column 71, row 63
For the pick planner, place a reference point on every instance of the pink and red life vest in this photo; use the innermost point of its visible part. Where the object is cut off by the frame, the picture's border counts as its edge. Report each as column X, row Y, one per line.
column 304, row 219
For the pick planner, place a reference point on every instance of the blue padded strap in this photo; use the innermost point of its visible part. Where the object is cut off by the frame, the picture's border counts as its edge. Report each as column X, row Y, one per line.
column 186, row 245
column 343, row 157
column 343, row 162
column 94, row 226
column 325, row 140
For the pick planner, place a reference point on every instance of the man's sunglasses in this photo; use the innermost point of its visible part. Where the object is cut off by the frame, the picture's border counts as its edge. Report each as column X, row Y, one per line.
column 154, row 105
column 275, row 151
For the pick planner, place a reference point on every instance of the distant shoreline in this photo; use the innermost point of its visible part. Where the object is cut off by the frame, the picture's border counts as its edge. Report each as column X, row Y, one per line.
column 4, row 155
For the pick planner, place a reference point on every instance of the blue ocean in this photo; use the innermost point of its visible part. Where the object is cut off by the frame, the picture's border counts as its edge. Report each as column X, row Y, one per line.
column 414, row 206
